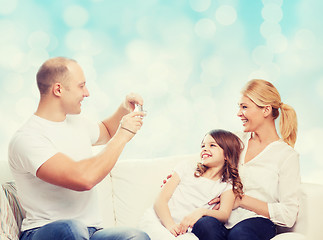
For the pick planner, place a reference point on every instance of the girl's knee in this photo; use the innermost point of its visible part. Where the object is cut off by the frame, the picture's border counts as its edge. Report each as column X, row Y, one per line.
column 209, row 228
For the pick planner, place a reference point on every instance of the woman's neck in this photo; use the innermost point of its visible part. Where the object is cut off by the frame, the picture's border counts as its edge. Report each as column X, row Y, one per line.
column 266, row 134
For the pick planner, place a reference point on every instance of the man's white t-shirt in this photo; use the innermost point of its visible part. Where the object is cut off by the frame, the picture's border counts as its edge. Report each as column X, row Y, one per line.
column 31, row 146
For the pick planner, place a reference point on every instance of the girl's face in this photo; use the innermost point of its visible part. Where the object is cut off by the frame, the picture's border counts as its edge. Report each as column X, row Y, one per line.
column 212, row 154
column 250, row 114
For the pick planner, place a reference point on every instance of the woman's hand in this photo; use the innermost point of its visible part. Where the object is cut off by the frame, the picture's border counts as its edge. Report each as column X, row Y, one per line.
column 191, row 219
column 215, row 201
column 237, row 203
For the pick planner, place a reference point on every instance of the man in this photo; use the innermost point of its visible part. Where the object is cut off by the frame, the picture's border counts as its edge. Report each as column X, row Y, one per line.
column 51, row 160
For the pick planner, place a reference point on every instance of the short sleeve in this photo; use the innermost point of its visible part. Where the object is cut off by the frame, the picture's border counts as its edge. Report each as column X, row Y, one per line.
column 184, row 167
column 29, row 152
column 228, row 186
column 91, row 127
column 93, row 130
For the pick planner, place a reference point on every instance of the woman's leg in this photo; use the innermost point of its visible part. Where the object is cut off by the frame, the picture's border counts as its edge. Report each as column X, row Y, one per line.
column 253, row 229
column 120, row 233
column 209, row 228
column 63, row 230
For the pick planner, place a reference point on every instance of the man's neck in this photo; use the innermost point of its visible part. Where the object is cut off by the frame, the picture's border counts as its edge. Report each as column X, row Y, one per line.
column 50, row 112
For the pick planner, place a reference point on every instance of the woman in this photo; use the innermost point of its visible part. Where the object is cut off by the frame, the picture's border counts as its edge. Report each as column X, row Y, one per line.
column 269, row 170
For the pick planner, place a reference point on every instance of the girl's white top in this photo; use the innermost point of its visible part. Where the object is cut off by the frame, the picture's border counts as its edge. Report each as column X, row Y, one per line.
column 193, row 192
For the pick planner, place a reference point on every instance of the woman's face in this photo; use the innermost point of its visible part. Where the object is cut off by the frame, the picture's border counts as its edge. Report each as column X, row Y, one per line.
column 212, row 154
column 250, row 114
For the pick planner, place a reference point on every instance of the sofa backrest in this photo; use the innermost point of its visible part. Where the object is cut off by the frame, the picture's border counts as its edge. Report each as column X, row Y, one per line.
column 5, row 175
column 137, row 182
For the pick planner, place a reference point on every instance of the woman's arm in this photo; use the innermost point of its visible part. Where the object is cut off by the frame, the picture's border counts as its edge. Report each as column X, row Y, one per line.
column 161, row 204
column 283, row 212
column 253, row 204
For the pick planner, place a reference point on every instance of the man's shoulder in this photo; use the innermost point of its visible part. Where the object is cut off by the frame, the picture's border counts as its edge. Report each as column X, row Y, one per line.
column 27, row 134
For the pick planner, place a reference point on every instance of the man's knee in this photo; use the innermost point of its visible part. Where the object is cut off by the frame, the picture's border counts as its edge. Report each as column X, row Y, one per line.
column 138, row 235
column 66, row 230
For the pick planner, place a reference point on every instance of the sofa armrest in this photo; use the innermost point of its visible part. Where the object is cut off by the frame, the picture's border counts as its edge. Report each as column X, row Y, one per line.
column 290, row 236
column 310, row 212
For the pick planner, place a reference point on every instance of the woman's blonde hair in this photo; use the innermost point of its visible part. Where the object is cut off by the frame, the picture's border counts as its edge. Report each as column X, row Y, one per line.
column 264, row 93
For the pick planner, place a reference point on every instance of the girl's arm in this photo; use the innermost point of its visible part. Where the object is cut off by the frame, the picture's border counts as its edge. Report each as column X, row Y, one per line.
column 223, row 214
column 161, row 204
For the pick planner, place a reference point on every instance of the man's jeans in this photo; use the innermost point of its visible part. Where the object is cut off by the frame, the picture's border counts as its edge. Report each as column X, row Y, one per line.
column 75, row 230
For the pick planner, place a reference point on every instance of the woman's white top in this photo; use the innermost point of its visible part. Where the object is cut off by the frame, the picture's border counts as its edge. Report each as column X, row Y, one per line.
column 273, row 176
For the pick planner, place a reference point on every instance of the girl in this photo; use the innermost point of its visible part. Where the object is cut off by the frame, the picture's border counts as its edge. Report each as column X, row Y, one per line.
column 184, row 198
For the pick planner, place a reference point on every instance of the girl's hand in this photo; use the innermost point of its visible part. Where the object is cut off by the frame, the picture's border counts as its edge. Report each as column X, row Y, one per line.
column 175, row 229
column 191, row 219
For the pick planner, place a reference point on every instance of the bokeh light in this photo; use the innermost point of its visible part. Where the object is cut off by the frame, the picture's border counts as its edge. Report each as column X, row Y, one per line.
column 226, row 15
column 188, row 59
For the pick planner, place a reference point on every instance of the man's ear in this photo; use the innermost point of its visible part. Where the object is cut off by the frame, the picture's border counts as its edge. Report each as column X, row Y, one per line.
column 267, row 110
column 57, row 89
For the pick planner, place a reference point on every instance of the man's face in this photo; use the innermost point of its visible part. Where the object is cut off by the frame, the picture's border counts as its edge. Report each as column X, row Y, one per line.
column 74, row 90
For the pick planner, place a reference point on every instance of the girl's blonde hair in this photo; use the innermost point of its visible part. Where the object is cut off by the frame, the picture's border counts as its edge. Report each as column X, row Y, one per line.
column 264, row 93
column 232, row 147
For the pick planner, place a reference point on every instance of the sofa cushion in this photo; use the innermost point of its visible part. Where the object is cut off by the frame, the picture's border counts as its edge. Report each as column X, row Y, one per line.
column 9, row 228
column 10, row 190
column 104, row 189
column 136, row 184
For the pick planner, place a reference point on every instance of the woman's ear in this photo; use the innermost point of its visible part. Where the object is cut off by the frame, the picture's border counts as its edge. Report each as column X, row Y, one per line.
column 267, row 110
column 57, row 89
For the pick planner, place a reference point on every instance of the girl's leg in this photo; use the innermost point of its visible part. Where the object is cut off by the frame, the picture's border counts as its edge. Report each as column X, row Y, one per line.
column 210, row 228
column 63, row 230
column 257, row 228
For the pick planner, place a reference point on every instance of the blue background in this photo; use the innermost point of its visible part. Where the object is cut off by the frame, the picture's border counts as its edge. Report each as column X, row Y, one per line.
column 187, row 58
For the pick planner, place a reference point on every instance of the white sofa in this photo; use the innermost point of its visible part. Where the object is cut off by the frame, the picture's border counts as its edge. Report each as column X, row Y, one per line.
column 133, row 184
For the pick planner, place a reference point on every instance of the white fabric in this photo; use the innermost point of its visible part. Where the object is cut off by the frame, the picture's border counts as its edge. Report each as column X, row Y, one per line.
column 151, row 224
column 273, row 176
column 136, row 183
column 32, row 145
column 291, row 236
column 190, row 194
